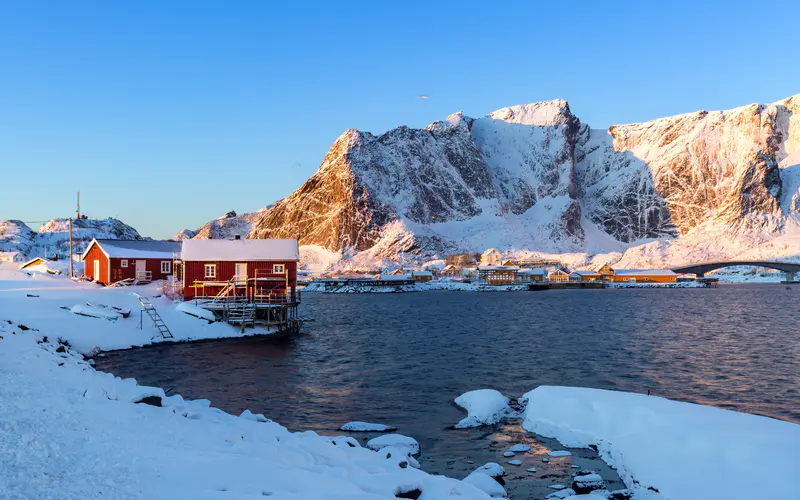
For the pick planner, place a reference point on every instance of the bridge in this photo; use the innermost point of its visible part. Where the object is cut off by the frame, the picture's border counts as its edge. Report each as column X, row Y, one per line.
column 701, row 269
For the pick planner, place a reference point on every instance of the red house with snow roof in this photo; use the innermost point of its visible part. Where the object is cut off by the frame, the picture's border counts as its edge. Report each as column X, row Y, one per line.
column 109, row 261
column 260, row 269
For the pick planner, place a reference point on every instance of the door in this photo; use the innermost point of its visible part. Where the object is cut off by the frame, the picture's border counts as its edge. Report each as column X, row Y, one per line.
column 241, row 272
column 96, row 273
column 141, row 270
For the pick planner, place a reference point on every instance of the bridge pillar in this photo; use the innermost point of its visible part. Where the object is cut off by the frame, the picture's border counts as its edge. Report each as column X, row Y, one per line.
column 789, row 275
column 701, row 275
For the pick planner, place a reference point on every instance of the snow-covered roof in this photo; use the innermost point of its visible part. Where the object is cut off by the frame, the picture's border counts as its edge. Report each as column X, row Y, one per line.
column 644, row 272
column 8, row 254
column 421, row 273
column 498, row 268
column 240, row 250
column 135, row 249
column 394, row 277
column 580, row 272
column 538, row 270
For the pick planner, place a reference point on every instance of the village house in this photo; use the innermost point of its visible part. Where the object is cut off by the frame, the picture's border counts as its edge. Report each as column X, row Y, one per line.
column 558, row 276
column 259, row 269
column 109, row 261
column 491, row 257
column 537, row 275
column 497, row 275
column 451, row 271
column 582, row 275
column 12, row 257
column 397, row 272
column 637, row 275
column 422, row 276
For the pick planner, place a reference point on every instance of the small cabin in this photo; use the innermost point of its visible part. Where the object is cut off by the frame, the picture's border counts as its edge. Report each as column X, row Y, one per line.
column 397, row 272
column 258, row 269
column 33, row 262
column 422, row 276
column 637, row 275
column 108, row 261
column 451, row 271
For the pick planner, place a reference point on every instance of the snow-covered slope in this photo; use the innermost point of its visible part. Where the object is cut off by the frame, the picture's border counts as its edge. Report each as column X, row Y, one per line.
column 53, row 237
column 225, row 227
column 534, row 178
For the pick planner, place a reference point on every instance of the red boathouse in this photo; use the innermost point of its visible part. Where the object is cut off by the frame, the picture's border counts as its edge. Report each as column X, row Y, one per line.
column 109, row 261
column 258, row 270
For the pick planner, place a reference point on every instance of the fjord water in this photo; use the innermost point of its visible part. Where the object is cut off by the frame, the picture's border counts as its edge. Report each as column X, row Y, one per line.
column 401, row 359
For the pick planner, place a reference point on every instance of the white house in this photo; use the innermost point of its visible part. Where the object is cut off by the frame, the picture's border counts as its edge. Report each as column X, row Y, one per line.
column 491, row 257
column 12, row 257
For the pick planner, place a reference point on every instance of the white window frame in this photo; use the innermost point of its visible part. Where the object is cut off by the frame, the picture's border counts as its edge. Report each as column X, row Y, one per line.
column 645, row 279
column 213, row 268
column 168, row 267
column 123, row 263
column 278, row 268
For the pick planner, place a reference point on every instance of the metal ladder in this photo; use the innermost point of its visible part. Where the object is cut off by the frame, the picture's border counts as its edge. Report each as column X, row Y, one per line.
column 148, row 307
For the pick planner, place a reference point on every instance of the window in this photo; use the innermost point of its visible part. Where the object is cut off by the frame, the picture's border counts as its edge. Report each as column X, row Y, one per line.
column 278, row 269
column 123, row 263
column 211, row 270
column 645, row 279
column 166, row 266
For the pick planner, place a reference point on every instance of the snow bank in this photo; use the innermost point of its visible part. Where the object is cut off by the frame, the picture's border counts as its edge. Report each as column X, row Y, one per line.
column 69, row 431
column 198, row 312
column 683, row 450
column 484, row 407
column 366, row 427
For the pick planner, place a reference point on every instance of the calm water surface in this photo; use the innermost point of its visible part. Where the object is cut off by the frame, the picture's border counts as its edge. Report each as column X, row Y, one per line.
column 401, row 359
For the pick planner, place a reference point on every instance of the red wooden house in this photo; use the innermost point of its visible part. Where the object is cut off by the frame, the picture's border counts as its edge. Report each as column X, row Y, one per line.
column 260, row 269
column 109, row 261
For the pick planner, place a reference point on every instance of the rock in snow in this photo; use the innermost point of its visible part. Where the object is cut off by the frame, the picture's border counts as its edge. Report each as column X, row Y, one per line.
column 508, row 454
column 395, row 440
column 519, row 448
column 486, row 483
column 484, row 407
column 559, row 453
column 515, row 462
column 682, row 450
column 366, row 427
column 585, row 483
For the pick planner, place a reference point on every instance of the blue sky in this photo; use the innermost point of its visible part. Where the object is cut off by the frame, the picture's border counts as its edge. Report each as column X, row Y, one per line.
column 167, row 114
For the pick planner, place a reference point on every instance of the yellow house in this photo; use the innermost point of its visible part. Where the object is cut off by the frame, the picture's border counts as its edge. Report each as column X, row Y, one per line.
column 637, row 275
column 33, row 262
column 422, row 276
column 451, row 271
column 558, row 276
column 509, row 263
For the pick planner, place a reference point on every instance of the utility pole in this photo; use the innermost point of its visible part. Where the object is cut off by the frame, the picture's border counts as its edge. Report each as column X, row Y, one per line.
column 70, row 248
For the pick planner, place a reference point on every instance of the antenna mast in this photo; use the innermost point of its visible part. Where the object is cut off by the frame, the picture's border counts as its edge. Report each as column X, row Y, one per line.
column 78, row 211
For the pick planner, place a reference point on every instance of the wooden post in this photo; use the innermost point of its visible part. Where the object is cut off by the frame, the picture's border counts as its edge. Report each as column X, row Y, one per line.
column 71, row 275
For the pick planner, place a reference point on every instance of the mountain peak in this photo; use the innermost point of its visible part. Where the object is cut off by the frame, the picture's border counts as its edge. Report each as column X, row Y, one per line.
column 542, row 114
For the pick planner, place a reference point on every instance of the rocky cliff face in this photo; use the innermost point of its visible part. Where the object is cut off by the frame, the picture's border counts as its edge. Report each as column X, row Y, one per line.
column 535, row 177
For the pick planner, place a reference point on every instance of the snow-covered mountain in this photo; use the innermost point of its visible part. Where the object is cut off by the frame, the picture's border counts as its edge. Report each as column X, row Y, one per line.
column 53, row 237
column 226, row 227
column 534, row 178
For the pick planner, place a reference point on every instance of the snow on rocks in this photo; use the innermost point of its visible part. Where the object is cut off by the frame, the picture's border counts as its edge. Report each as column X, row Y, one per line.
column 366, row 427
column 508, row 454
column 515, row 462
column 491, row 469
column 484, row 407
column 556, row 486
column 558, row 495
column 519, row 448
column 559, row 453
column 487, row 484
column 77, row 433
column 394, row 440
column 587, row 482
column 683, row 450
column 94, row 312
column 531, row 469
